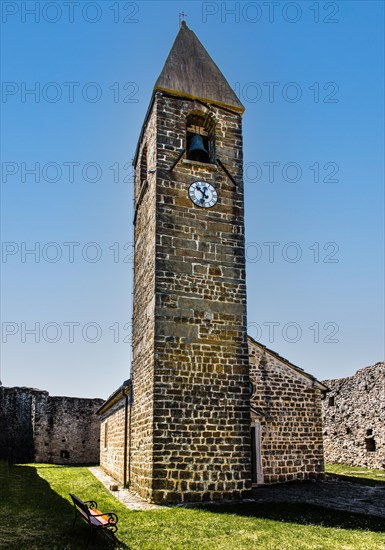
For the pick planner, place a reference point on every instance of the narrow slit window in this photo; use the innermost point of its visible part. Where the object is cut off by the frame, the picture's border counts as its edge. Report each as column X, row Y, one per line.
column 143, row 166
column 105, row 435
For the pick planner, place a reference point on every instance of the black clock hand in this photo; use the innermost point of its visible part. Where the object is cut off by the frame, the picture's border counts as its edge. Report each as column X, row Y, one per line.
column 203, row 192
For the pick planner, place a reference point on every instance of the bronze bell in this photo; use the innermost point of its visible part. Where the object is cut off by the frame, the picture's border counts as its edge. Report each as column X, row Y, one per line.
column 197, row 150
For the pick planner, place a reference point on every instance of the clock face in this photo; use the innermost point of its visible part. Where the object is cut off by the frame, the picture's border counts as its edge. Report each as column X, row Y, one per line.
column 203, row 194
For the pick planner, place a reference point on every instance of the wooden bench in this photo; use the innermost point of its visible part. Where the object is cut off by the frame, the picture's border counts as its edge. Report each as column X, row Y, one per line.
column 96, row 519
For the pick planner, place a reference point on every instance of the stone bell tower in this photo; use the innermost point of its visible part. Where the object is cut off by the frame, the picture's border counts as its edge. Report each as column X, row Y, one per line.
column 190, row 412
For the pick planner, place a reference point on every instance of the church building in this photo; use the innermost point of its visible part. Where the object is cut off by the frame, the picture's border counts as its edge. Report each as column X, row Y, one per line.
column 208, row 412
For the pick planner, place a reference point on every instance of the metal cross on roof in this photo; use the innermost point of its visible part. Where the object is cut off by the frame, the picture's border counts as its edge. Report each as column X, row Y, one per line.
column 182, row 15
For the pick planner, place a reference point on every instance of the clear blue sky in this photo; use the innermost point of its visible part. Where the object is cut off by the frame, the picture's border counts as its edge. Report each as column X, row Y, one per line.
column 311, row 78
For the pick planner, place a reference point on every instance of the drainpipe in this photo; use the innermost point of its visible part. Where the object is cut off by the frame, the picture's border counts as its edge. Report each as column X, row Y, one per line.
column 127, row 435
column 125, row 440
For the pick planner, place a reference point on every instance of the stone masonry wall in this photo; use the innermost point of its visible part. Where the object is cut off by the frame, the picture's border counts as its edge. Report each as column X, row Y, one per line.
column 16, row 423
column 112, row 441
column 143, row 314
column 201, row 437
column 37, row 427
column 291, row 426
column 354, row 419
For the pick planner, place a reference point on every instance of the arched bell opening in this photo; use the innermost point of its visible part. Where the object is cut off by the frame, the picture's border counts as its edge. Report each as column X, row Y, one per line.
column 200, row 138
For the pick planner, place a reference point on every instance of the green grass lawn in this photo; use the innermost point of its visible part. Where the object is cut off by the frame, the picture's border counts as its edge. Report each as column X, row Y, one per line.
column 359, row 475
column 37, row 514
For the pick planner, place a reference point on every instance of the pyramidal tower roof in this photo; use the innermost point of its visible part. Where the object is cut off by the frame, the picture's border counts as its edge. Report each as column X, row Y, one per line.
column 190, row 72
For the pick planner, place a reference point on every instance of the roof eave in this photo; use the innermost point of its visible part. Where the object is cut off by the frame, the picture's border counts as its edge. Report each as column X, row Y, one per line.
column 315, row 381
column 115, row 397
column 239, row 109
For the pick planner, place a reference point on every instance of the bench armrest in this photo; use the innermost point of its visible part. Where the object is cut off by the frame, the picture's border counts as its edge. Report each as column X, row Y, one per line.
column 112, row 518
column 91, row 503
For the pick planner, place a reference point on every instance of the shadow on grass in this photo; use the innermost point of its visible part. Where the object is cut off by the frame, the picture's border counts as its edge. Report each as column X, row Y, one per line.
column 354, row 479
column 56, row 466
column 303, row 514
column 38, row 517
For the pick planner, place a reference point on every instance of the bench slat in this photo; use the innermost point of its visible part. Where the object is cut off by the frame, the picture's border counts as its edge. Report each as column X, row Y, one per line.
column 102, row 518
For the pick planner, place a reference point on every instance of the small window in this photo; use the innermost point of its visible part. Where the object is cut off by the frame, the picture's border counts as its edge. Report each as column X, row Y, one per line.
column 331, row 401
column 369, row 431
column 200, row 134
column 370, row 444
column 64, row 454
column 105, row 435
column 348, row 431
column 143, row 165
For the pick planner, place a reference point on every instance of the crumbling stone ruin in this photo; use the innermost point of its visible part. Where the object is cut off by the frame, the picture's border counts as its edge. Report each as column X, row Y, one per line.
column 35, row 427
column 354, row 418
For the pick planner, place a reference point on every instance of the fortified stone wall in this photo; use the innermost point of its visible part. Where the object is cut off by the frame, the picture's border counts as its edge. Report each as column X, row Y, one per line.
column 354, row 418
column 287, row 402
column 16, row 423
column 35, row 427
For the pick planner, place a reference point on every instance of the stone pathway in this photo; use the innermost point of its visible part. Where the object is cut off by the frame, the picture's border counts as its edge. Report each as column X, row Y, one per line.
column 124, row 496
column 331, row 494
